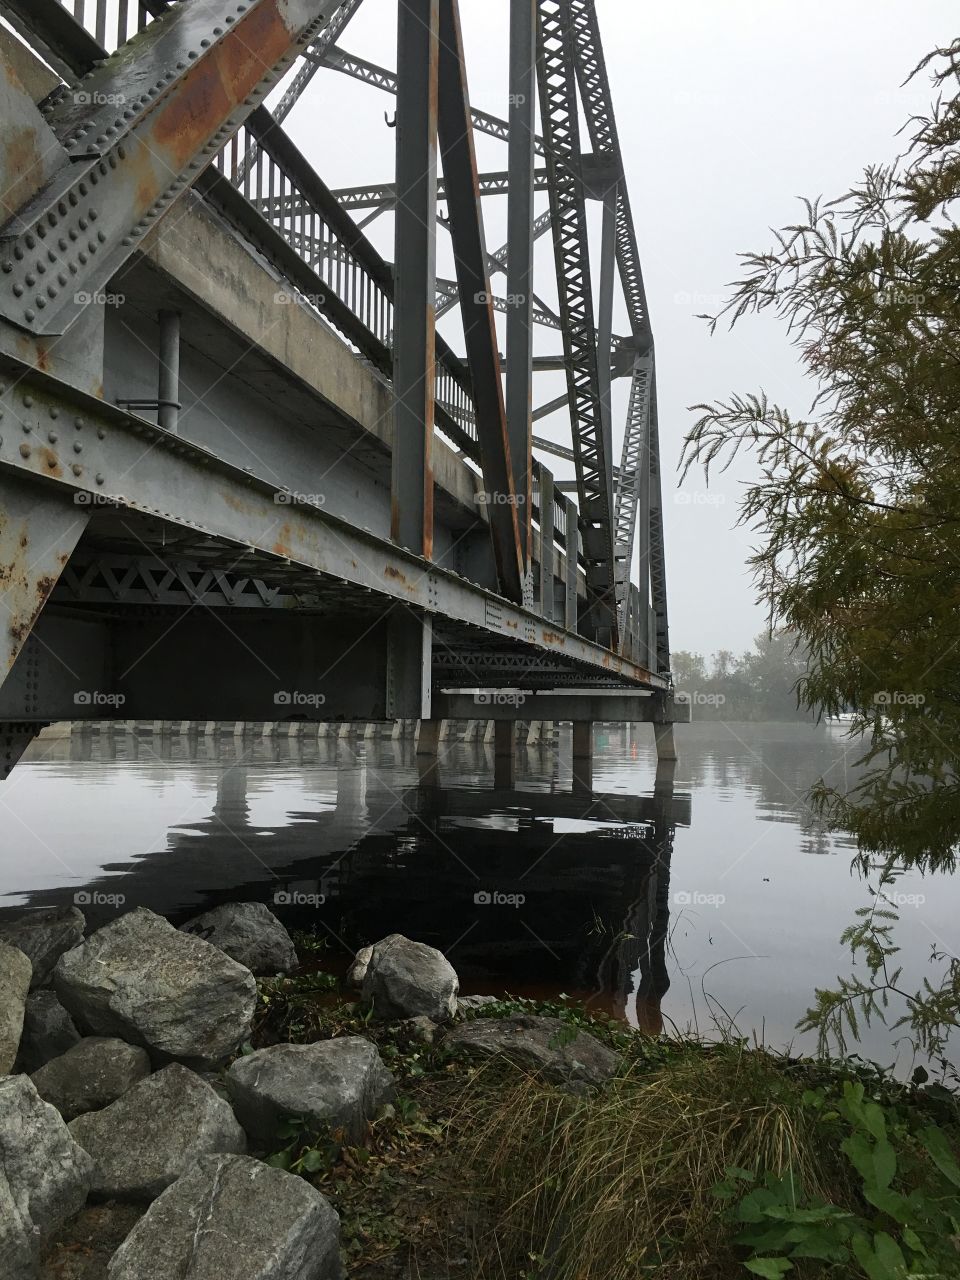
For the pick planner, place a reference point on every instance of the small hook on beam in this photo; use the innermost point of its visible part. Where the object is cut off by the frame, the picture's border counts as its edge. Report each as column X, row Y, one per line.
column 391, row 124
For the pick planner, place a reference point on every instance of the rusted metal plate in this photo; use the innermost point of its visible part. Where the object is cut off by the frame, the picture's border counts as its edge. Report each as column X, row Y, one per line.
column 131, row 464
column 139, row 130
column 29, row 151
column 39, row 528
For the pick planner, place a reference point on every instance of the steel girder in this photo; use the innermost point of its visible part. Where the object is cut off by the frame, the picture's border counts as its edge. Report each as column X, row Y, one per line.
column 130, row 144
column 634, row 474
column 384, row 195
column 561, row 124
column 132, row 464
column 604, row 138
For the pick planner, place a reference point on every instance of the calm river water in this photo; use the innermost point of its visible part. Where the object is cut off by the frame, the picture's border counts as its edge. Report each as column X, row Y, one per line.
column 683, row 902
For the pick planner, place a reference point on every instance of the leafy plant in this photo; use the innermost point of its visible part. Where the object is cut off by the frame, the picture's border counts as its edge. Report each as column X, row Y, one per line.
column 909, row 1186
column 309, row 1149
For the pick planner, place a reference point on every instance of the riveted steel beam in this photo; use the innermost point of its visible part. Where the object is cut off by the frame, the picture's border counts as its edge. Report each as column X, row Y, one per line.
column 138, row 131
column 561, row 126
column 134, row 465
column 483, row 359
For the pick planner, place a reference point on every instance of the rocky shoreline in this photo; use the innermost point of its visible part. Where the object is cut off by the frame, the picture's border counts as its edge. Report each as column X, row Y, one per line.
column 133, row 1107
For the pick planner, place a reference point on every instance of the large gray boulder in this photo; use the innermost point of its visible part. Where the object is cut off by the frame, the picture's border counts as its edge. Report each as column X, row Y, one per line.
column 140, row 979
column 547, row 1046
column 48, row 1030
column 44, row 1176
column 91, row 1075
column 146, row 1139
column 249, row 933
column 404, row 979
column 15, row 972
column 233, row 1218
column 44, row 936
column 339, row 1083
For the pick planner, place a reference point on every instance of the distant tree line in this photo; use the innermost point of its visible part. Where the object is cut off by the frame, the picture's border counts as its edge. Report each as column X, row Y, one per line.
column 757, row 685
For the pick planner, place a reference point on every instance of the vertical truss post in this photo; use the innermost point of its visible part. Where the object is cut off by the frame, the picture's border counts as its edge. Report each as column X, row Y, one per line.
column 634, row 481
column 546, row 542
column 608, row 268
column 658, row 572
column 561, row 127
column 520, row 237
column 480, row 331
column 571, row 609
column 414, row 343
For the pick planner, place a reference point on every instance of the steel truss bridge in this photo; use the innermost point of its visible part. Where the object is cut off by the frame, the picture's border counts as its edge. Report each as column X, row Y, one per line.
column 243, row 475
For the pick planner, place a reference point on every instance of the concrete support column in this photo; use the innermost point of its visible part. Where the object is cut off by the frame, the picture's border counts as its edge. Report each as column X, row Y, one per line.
column 428, row 739
column 666, row 744
column 583, row 755
column 504, row 736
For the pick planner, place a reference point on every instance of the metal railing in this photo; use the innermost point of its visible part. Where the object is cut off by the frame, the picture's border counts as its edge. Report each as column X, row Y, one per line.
column 113, row 22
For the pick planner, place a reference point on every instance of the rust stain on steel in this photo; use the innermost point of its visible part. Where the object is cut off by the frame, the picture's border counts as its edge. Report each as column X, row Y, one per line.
column 220, row 82
column 396, row 574
column 554, row 637
column 52, row 461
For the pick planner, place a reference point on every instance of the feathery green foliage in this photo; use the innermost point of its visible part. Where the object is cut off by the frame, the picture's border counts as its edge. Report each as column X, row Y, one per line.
column 857, row 506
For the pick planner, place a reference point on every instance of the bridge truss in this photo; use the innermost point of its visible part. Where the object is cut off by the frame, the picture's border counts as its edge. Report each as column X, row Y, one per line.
column 126, row 116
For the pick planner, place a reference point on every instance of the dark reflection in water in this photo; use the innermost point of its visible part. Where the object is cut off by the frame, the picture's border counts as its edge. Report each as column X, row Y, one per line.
column 690, row 898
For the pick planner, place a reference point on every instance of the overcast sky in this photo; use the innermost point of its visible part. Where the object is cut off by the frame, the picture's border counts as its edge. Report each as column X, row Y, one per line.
column 727, row 112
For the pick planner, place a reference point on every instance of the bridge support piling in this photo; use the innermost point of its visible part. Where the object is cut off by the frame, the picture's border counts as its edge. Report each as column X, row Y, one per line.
column 666, row 743
column 168, row 381
column 504, row 768
column 428, row 739
column 583, row 755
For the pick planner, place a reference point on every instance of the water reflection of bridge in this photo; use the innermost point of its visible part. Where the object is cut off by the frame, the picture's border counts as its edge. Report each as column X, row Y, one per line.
column 577, row 880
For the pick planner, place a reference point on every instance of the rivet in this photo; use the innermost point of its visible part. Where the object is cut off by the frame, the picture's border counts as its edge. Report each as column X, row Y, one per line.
column 82, row 224
column 53, row 461
column 79, row 423
column 30, row 242
column 76, row 469
column 31, row 279
column 18, row 253
column 27, row 401
column 42, row 268
column 18, row 290
column 54, row 411
column 41, row 302
column 52, row 437
column 101, row 237
column 99, row 478
column 101, row 434
column 77, row 447
column 26, row 428
column 92, row 215
column 24, row 451
column 30, row 315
